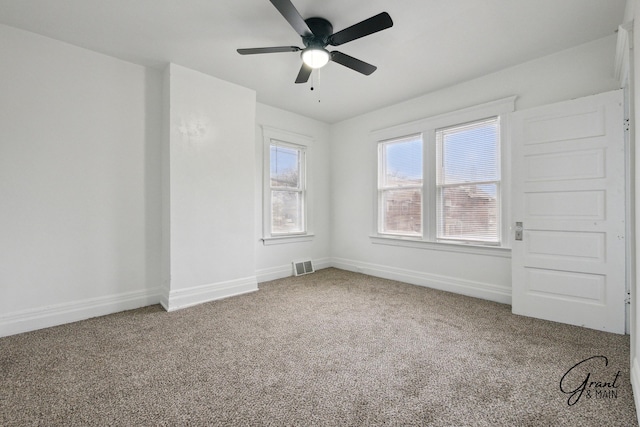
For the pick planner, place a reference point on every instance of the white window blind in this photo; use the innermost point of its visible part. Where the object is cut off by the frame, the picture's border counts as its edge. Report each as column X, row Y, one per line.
column 468, row 182
column 400, row 186
column 287, row 188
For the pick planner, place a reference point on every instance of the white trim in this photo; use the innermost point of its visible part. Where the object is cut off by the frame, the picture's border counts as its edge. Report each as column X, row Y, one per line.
column 44, row 317
column 275, row 133
column 58, row 314
column 469, row 114
column 494, row 251
column 635, row 384
column 297, row 141
column 183, row 298
column 505, row 179
column 282, row 271
column 274, row 273
column 440, row 136
column 292, row 238
column 487, row 291
column 629, row 10
column 383, row 188
column 623, row 46
column 427, row 128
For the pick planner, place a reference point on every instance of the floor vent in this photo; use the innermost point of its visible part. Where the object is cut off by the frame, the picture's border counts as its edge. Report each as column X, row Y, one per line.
column 302, row 267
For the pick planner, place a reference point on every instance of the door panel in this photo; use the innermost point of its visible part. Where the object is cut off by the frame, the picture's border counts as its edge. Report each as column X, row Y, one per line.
column 568, row 192
column 575, row 164
column 561, row 127
column 571, row 205
column 565, row 246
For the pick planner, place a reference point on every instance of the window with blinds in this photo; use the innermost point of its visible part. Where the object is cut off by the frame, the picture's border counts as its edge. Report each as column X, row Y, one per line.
column 468, row 182
column 400, row 179
column 287, row 188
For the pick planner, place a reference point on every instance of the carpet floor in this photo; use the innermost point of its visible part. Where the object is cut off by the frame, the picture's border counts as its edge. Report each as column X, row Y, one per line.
column 329, row 348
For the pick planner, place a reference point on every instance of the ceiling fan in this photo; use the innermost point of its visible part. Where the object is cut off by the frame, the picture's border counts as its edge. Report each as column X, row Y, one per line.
column 316, row 34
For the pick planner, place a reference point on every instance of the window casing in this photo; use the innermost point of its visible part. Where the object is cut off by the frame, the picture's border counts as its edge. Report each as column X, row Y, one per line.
column 286, row 188
column 468, row 182
column 285, row 192
column 462, row 194
column 400, row 180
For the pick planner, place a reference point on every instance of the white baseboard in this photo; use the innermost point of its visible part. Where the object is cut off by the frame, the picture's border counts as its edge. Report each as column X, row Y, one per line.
column 54, row 315
column 44, row 317
column 635, row 384
column 273, row 273
column 183, row 298
column 487, row 291
column 267, row 274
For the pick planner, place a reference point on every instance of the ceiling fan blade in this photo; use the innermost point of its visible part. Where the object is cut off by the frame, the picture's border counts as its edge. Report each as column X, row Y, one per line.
column 372, row 25
column 291, row 14
column 255, row 50
column 353, row 63
column 303, row 75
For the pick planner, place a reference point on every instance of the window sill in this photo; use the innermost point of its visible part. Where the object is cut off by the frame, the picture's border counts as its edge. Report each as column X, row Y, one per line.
column 281, row 240
column 495, row 251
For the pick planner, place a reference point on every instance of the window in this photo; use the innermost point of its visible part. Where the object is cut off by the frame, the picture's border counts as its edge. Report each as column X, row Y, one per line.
column 439, row 181
column 285, row 191
column 400, row 186
column 468, row 182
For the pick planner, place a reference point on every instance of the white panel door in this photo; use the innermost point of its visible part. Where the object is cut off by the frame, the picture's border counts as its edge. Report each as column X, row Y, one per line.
column 568, row 176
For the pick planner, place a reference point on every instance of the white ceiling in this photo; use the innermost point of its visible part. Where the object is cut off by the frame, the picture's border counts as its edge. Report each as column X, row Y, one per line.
column 433, row 43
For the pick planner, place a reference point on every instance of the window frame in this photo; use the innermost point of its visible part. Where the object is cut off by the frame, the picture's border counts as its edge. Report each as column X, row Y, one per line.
column 440, row 187
column 383, row 187
column 302, row 143
column 427, row 128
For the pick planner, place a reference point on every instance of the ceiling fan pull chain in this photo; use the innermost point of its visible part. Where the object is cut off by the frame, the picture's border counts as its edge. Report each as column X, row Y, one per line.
column 315, row 82
column 318, row 72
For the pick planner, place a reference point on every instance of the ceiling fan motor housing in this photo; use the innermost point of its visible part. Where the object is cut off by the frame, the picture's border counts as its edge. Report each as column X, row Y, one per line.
column 321, row 29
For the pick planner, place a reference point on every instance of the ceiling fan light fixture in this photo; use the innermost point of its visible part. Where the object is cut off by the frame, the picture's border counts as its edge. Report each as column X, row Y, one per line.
column 315, row 57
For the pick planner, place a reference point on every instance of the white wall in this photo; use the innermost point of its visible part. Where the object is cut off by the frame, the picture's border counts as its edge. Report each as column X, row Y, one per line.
column 580, row 71
column 274, row 261
column 211, row 182
column 79, row 183
column 82, row 194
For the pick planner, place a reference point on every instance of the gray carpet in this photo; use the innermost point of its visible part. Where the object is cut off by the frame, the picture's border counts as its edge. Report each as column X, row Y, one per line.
column 330, row 348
